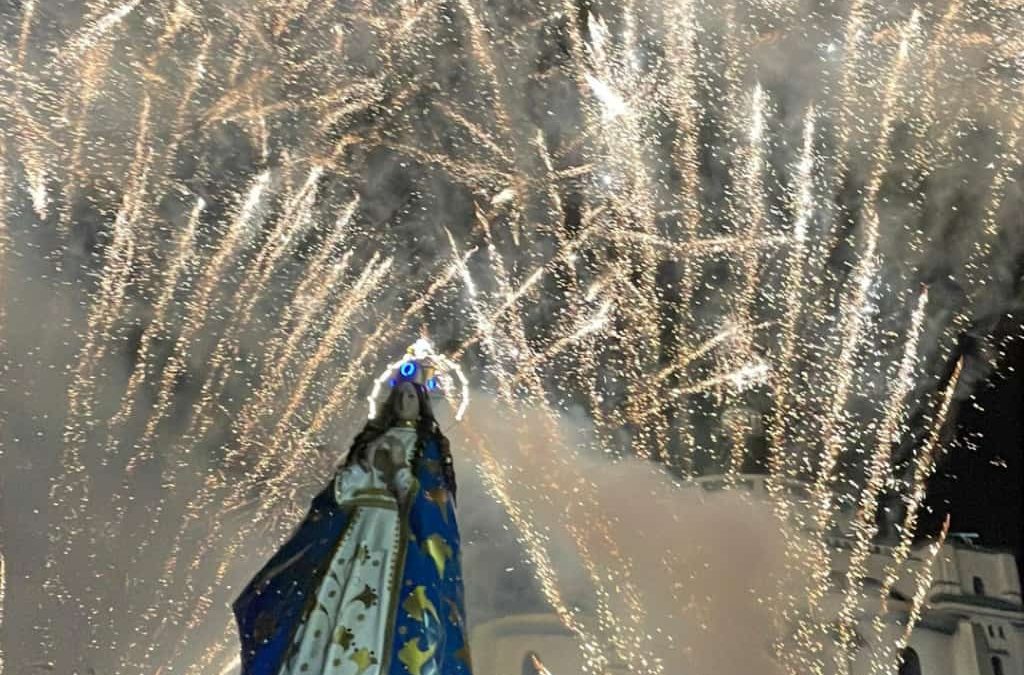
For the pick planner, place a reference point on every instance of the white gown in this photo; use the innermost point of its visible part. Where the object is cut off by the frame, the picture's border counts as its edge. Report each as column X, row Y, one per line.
column 345, row 632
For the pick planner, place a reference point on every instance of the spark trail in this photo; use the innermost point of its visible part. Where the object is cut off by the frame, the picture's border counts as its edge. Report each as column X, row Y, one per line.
column 622, row 220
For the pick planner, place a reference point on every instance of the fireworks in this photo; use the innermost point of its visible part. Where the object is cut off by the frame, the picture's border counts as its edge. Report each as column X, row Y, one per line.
column 627, row 212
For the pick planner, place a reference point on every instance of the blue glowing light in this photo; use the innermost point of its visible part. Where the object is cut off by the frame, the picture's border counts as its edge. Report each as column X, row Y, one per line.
column 432, row 383
column 407, row 369
column 393, row 382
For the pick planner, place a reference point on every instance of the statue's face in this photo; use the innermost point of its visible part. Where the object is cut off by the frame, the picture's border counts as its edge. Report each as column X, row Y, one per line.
column 407, row 403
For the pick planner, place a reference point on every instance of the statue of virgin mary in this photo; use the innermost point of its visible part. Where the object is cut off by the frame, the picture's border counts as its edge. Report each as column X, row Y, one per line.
column 370, row 583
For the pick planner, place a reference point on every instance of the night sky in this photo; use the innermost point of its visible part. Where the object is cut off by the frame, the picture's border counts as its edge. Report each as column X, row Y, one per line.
column 980, row 483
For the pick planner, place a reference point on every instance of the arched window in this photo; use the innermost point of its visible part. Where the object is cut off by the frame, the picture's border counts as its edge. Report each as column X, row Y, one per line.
column 979, row 586
column 997, row 666
column 910, row 664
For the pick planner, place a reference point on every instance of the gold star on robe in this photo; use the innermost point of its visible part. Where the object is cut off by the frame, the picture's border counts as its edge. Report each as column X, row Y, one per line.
column 413, row 658
column 418, row 602
column 363, row 660
column 368, row 597
column 437, row 548
column 439, row 496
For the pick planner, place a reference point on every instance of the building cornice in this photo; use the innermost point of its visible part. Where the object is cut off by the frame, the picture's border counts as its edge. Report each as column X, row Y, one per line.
column 1003, row 608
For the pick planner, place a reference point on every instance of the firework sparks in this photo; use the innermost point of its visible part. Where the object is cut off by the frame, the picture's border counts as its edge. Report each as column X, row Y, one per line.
column 184, row 250
column 239, row 232
column 648, row 227
column 878, row 471
column 923, row 468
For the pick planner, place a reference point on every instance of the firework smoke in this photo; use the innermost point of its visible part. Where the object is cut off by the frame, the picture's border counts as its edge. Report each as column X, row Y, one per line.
column 683, row 238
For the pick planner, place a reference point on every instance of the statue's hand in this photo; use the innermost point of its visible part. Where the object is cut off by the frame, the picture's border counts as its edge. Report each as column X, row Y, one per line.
column 402, row 480
column 397, row 453
column 386, row 458
column 389, row 462
column 365, row 457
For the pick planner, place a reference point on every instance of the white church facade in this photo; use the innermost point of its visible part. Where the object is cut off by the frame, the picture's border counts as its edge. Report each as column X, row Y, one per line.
column 972, row 622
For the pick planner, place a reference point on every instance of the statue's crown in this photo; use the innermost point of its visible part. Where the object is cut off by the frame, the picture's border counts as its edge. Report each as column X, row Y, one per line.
column 418, row 367
column 434, row 371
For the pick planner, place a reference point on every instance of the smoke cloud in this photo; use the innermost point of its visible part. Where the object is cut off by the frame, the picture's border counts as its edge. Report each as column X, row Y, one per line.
column 474, row 119
column 706, row 567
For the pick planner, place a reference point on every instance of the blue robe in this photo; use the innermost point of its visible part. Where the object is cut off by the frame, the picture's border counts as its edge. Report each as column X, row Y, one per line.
column 427, row 634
